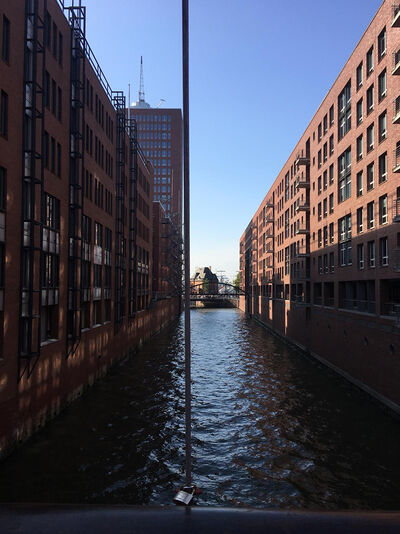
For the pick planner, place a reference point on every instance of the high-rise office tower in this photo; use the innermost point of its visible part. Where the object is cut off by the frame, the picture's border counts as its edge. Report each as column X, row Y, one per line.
column 160, row 136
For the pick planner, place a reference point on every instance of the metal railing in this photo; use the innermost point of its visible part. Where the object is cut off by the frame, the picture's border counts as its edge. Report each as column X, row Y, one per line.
column 366, row 306
column 396, row 159
column 396, row 61
column 396, row 110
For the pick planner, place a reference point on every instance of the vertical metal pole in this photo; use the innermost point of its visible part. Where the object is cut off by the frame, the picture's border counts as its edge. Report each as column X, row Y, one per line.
column 186, row 222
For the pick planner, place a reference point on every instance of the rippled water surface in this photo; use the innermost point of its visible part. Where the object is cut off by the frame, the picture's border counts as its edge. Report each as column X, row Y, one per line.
column 270, row 428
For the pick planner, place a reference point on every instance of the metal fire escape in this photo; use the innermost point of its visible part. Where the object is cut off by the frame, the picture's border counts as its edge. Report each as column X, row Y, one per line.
column 31, row 265
column 133, row 178
column 120, row 185
column 77, row 20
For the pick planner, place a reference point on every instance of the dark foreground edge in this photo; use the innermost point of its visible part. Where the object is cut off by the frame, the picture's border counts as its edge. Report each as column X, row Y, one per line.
column 71, row 519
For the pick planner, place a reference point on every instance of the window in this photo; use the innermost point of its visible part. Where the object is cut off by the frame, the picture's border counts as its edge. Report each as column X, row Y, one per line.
column 319, row 211
column 319, row 185
column 344, row 229
column 325, row 236
column 5, row 43
column 370, row 60
column 344, row 111
column 325, row 179
column 360, row 256
column 382, row 44
column 359, row 147
column 359, row 184
column 319, row 238
column 360, row 111
column 370, row 137
column 319, row 132
column 371, row 254
column 383, row 167
column 331, row 233
column 50, row 272
column 383, row 209
column 325, row 123
column 53, row 155
column 370, row 99
column 59, row 105
column 344, row 175
column 331, row 145
column 382, row 126
column 325, row 209
column 360, row 224
column 4, row 114
column 60, row 49
column 382, row 85
column 370, row 176
column 331, row 178
column 53, row 96
column 359, row 75
column 54, row 44
column 383, row 252
column 319, row 159
column 331, row 116
column 370, row 216
column 47, row 89
column 331, row 203
column 58, row 165
column 325, row 152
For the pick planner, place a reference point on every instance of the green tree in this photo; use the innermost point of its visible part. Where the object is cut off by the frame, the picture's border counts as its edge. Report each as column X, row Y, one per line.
column 236, row 280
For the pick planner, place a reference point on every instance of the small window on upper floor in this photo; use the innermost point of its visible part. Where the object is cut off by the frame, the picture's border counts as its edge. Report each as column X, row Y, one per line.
column 382, row 85
column 382, row 44
column 370, row 60
column 325, row 124
column 359, row 75
column 331, row 116
column 5, row 42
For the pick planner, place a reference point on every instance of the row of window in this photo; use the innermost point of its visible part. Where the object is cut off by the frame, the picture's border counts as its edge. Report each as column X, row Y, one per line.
column 366, row 256
column 53, row 38
column 5, row 40
column 52, row 154
column 52, row 96
column 99, row 111
column 3, row 114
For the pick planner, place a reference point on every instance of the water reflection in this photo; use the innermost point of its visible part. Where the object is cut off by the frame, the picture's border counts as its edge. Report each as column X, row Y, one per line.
column 270, row 428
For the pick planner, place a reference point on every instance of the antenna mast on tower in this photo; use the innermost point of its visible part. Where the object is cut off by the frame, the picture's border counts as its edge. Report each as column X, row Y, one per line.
column 141, row 86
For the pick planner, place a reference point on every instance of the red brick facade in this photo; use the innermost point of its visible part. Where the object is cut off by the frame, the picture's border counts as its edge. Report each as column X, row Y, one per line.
column 76, row 221
column 320, row 259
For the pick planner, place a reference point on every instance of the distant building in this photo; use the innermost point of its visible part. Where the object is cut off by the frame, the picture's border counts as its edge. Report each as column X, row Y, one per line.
column 320, row 258
column 204, row 281
column 160, row 137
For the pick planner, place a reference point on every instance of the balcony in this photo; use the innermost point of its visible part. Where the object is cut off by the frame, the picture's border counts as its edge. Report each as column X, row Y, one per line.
column 357, row 305
column 301, row 274
column 396, row 112
column 302, row 252
column 303, row 205
column 301, row 301
column 396, row 159
column 396, row 16
column 302, row 229
column 303, row 181
column 396, row 63
column 302, row 159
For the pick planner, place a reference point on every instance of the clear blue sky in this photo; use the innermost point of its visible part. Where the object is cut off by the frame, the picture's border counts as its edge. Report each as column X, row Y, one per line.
column 258, row 72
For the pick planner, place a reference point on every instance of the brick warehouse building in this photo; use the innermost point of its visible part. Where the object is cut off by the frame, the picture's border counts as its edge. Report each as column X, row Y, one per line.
column 320, row 259
column 76, row 223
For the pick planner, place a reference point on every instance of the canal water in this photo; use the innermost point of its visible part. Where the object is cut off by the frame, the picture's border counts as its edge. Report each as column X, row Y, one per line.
column 271, row 428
